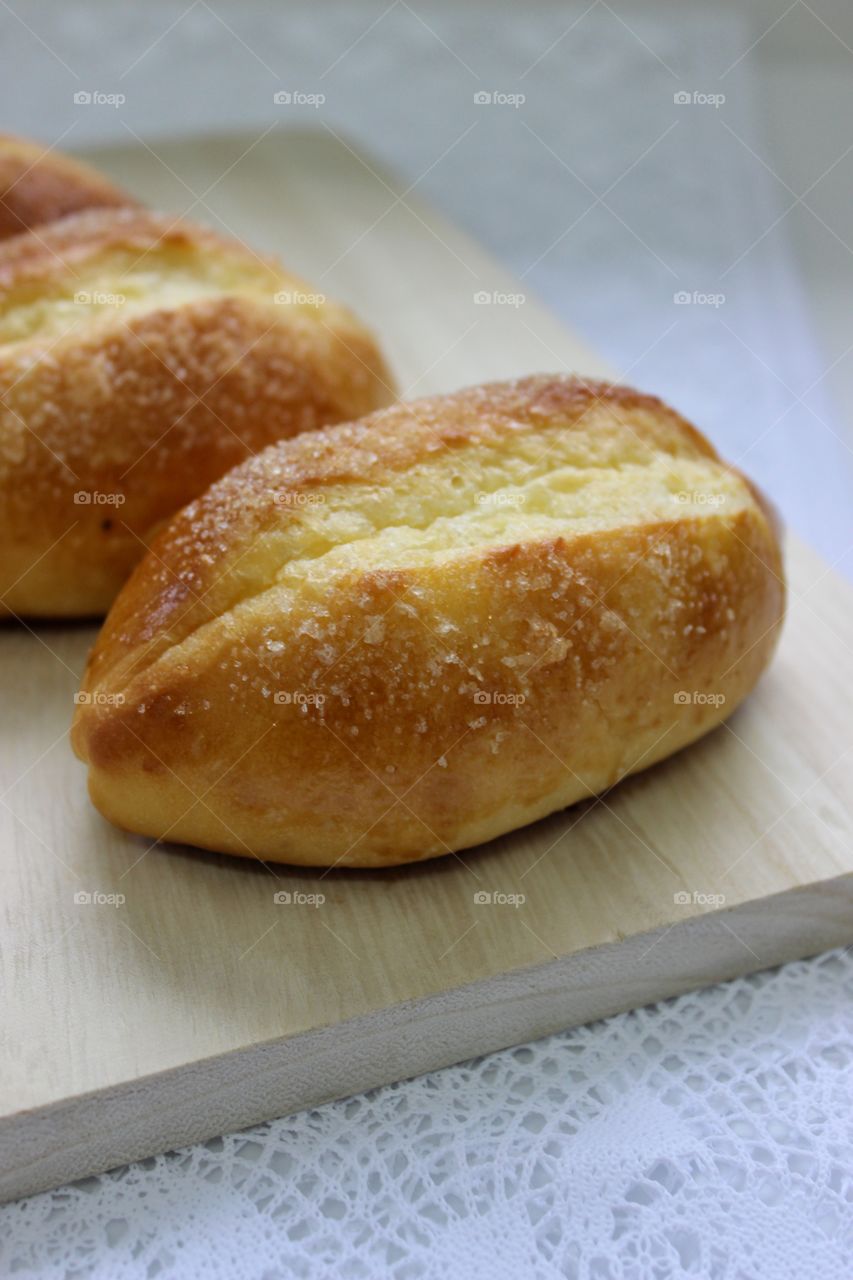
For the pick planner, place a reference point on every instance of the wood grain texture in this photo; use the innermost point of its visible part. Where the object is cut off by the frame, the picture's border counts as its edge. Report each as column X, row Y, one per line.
column 200, row 1003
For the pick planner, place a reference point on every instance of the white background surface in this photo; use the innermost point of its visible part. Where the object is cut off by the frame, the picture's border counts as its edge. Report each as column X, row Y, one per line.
column 599, row 192
column 710, row 1137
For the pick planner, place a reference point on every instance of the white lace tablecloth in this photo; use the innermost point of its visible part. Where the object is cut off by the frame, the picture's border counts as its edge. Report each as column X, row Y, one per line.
column 709, row 1136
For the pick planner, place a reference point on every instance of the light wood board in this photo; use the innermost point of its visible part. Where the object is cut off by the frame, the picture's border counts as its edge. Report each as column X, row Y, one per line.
column 201, row 1005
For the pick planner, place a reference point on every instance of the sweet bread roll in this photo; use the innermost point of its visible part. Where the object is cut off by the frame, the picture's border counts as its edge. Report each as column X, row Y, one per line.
column 40, row 185
column 140, row 359
column 407, row 635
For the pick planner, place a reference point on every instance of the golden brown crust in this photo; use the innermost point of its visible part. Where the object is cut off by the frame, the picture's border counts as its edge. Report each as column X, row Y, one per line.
column 410, row 634
column 140, row 358
column 39, row 185
column 127, row 238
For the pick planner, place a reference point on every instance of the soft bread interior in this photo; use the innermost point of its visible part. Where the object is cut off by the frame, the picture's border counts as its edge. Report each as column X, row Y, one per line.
column 557, row 483
column 274, row 540
column 124, row 283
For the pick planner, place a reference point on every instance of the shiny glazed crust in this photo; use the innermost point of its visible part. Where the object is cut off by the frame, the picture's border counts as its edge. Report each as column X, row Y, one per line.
column 407, row 635
column 38, row 185
column 140, row 359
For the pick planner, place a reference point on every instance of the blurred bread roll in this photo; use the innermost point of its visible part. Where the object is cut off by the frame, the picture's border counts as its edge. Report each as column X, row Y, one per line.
column 140, row 358
column 39, row 184
column 404, row 636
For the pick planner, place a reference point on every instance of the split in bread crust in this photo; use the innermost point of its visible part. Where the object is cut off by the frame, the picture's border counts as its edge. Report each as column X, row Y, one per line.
column 141, row 358
column 407, row 635
column 39, row 184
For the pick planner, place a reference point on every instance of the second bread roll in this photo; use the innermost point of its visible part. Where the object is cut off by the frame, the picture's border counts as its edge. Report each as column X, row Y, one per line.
column 140, row 358
column 401, row 637
column 39, row 184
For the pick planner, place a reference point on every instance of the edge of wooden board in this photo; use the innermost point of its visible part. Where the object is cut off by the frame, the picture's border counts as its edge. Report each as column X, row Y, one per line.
column 235, row 1090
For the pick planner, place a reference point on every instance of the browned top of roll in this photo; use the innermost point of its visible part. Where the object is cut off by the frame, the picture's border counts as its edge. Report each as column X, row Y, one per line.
column 403, row 468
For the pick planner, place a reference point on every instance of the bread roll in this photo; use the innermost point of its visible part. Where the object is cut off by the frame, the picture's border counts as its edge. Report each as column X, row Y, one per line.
column 140, row 359
column 40, row 185
column 407, row 635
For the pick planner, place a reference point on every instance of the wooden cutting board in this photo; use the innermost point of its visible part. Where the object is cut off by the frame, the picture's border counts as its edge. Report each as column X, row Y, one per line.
column 194, row 1002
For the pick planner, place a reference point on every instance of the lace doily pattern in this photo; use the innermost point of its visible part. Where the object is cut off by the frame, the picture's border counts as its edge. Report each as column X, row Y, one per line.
column 708, row 1136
